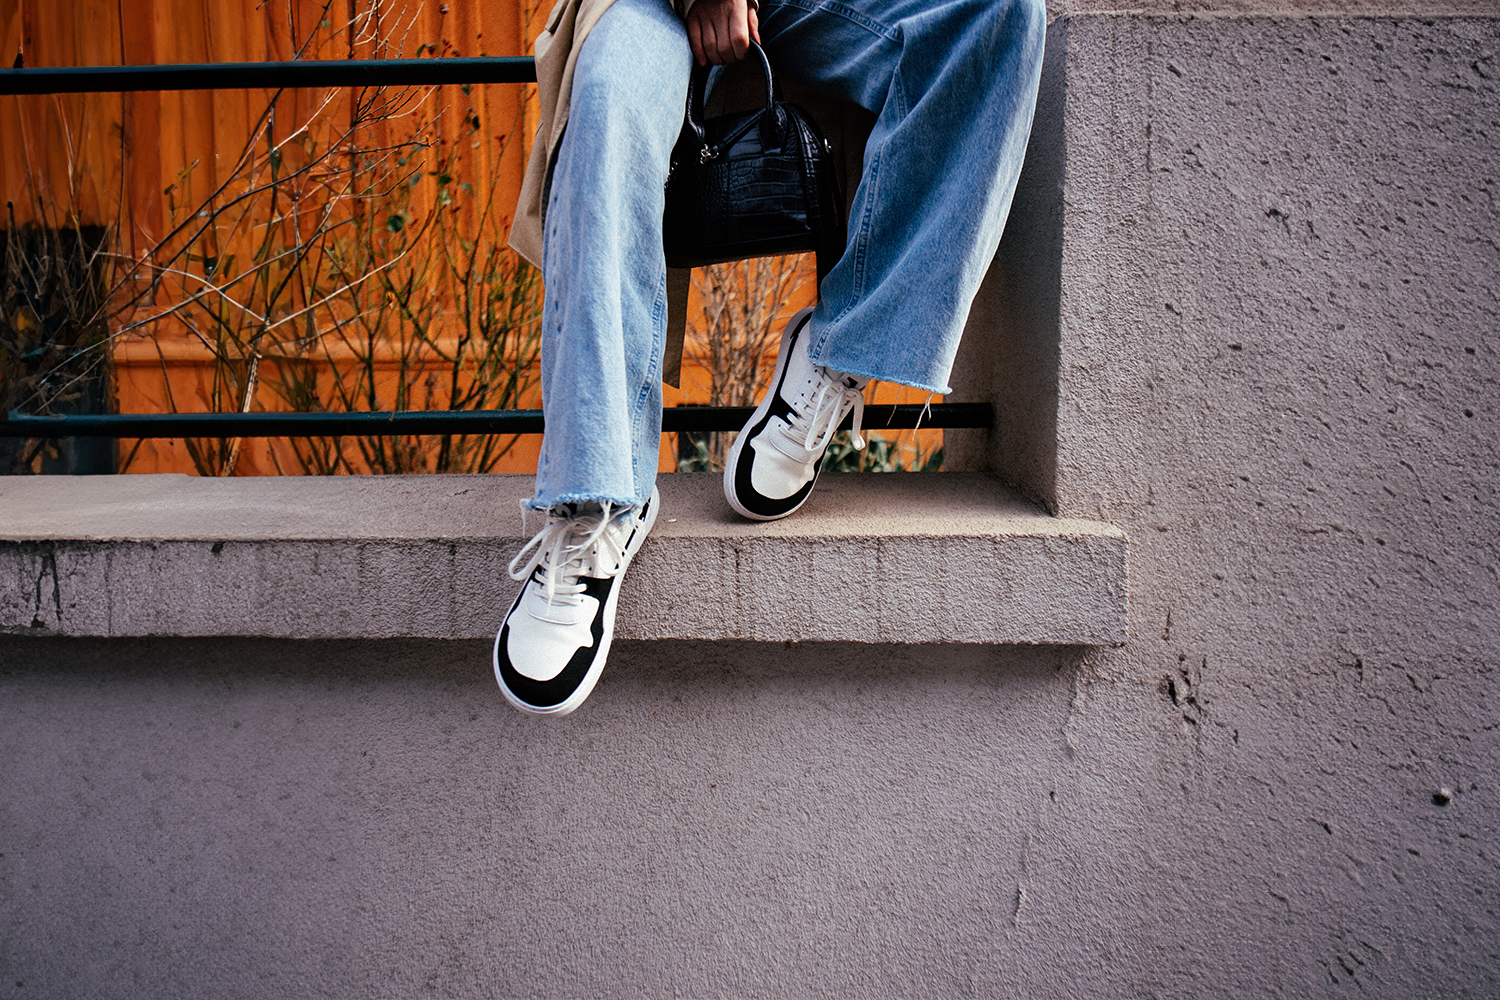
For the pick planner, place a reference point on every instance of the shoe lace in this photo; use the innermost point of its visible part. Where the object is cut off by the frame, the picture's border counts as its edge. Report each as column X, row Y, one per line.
column 572, row 544
column 819, row 421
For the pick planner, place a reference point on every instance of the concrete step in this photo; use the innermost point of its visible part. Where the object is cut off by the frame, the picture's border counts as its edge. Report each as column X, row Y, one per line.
column 945, row 557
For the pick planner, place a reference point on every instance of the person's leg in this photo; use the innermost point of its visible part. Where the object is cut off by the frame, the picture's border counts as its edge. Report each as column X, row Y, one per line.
column 954, row 86
column 603, row 329
column 604, row 316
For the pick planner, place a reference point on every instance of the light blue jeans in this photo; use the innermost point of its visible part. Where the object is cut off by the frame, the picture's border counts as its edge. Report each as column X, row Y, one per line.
column 953, row 83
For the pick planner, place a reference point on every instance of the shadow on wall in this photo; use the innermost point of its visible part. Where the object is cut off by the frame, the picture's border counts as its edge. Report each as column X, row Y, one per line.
column 710, row 669
column 1010, row 352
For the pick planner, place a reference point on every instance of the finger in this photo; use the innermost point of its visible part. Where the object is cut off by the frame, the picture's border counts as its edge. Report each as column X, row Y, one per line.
column 711, row 43
column 739, row 31
column 695, row 41
column 754, row 21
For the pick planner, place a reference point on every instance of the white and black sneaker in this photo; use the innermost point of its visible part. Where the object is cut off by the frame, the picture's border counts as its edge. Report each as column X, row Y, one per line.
column 775, row 461
column 551, row 648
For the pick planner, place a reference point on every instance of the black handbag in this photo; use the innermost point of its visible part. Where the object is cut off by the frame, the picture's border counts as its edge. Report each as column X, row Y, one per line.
column 751, row 184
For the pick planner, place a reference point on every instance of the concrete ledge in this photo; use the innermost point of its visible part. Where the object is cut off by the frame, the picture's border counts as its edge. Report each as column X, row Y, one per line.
column 873, row 558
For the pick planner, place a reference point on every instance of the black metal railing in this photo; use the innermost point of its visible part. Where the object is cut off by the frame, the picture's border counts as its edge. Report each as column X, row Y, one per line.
column 248, row 425
column 360, row 73
column 269, row 75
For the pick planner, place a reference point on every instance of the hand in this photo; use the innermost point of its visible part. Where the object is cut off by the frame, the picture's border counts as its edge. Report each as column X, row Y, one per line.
column 720, row 30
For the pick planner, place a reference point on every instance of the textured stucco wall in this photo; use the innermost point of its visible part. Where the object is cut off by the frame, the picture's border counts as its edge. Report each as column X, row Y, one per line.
column 424, row 557
column 1278, row 371
column 189, row 818
column 1275, row 361
column 1325, row 8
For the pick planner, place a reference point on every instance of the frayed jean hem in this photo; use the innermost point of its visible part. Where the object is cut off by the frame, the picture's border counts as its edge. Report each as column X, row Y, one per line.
column 536, row 506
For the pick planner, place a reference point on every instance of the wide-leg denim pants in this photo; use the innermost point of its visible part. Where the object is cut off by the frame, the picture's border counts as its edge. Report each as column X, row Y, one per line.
column 953, row 85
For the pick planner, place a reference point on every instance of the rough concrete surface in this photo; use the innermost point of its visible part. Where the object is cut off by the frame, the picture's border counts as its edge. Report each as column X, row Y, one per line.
column 1279, row 373
column 868, row 559
column 1320, row 8
column 1276, row 363
column 189, row 818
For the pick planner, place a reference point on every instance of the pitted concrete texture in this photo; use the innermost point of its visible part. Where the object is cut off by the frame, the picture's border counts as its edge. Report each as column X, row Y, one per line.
column 903, row 558
column 195, row 818
column 1278, row 371
column 1319, row 8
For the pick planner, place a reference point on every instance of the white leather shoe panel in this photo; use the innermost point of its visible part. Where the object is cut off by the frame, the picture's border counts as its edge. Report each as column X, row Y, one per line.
column 775, row 474
column 540, row 648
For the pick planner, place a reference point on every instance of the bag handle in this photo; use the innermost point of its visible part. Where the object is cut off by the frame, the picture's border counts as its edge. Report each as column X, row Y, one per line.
column 697, row 89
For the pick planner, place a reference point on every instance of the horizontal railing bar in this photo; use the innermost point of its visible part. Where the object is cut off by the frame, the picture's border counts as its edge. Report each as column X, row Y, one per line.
column 675, row 419
column 269, row 75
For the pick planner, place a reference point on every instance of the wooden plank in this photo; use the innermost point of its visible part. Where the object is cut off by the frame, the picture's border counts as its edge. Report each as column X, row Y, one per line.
column 141, row 116
column 130, row 148
column 12, row 169
column 99, row 141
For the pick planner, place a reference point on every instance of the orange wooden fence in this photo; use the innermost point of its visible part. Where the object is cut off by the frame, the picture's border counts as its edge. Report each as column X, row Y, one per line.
column 140, row 162
column 143, row 162
column 111, row 156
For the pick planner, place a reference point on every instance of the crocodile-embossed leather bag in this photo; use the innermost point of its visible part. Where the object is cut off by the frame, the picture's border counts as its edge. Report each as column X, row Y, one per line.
column 751, row 184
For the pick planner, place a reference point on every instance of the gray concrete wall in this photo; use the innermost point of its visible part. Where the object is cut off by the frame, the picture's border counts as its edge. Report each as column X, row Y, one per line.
column 1279, row 247
column 1320, row 8
column 1275, row 361
column 1278, row 371
column 424, row 557
column 189, row 818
